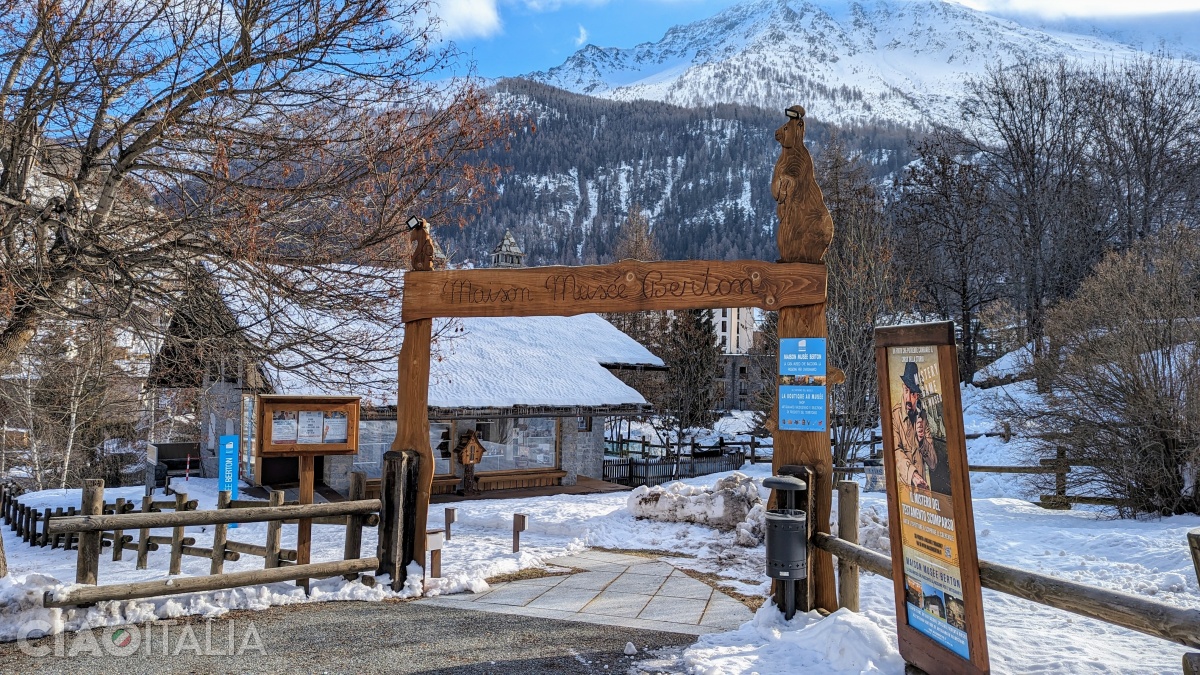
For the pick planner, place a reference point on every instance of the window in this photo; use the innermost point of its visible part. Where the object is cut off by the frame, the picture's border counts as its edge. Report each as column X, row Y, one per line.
column 439, row 440
column 741, row 370
column 583, row 423
column 522, row 443
column 724, row 342
column 724, row 312
column 724, row 327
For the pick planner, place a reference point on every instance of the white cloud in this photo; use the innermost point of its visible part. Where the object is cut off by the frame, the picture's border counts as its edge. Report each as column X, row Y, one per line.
column 1060, row 8
column 467, row 18
column 582, row 37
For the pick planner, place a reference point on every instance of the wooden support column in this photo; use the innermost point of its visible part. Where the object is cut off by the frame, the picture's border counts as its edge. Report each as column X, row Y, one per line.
column 354, row 523
column 805, row 230
column 308, row 477
column 177, row 536
column 848, row 532
column 407, row 487
column 220, row 534
column 274, row 532
column 143, row 550
column 118, row 549
column 87, row 565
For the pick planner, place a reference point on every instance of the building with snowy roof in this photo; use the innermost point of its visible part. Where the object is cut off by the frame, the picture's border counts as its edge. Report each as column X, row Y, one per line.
column 535, row 390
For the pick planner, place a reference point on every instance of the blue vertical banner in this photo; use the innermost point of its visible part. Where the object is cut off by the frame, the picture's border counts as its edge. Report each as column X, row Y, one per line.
column 228, row 459
column 803, row 395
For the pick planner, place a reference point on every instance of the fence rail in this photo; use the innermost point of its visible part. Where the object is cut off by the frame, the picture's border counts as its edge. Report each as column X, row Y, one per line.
column 1160, row 620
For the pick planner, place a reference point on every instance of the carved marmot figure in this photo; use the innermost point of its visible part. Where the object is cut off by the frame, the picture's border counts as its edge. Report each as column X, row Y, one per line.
column 805, row 226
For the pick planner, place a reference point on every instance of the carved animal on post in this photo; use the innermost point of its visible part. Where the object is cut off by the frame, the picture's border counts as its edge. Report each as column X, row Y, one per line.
column 805, row 226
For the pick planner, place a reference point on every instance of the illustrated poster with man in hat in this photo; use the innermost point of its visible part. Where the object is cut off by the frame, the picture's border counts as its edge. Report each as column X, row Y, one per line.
column 931, row 560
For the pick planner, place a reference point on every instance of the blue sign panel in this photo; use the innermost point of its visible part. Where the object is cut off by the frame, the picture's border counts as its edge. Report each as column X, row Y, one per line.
column 803, row 395
column 227, row 466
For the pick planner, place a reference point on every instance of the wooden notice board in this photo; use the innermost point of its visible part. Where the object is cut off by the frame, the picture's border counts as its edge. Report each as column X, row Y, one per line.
column 935, row 565
column 293, row 426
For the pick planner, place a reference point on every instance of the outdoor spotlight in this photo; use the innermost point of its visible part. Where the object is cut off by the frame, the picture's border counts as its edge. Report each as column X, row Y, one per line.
column 415, row 222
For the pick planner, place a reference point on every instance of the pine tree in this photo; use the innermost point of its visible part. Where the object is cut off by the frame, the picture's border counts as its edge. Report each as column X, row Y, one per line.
column 694, row 361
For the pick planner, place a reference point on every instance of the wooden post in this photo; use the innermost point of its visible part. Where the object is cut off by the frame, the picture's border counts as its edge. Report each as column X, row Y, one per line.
column 451, row 518
column 304, row 527
column 118, row 549
column 519, row 522
column 45, row 536
column 3, row 559
column 805, row 230
column 87, row 565
column 848, row 532
column 399, row 496
column 23, row 530
column 177, row 536
column 143, row 551
column 72, row 537
column 354, row 523
column 1193, row 537
column 434, row 540
column 274, row 532
column 219, row 536
column 1060, row 478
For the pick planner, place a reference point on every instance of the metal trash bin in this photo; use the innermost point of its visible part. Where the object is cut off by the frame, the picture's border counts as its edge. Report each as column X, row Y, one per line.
column 787, row 539
column 787, row 544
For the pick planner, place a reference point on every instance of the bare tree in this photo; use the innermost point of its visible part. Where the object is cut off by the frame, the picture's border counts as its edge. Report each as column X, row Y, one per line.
column 861, row 289
column 1125, row 396
column 948, row 233
column 262, row 137
column 1028, row 123
column 1144, row 114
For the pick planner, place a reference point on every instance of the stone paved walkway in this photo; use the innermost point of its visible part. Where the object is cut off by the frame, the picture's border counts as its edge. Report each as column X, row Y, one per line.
column 613, row 589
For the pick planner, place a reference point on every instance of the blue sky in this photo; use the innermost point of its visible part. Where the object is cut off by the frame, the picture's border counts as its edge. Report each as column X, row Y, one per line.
column 512, row 37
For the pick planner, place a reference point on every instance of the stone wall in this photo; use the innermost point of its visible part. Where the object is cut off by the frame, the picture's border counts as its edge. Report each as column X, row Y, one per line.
column 582, row 451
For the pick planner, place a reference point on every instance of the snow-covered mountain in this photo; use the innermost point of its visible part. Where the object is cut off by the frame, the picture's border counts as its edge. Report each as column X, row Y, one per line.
column 896, row 60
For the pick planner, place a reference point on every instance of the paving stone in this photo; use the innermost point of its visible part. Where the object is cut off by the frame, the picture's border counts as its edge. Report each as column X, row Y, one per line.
column 685, row 587
column 514, row 593
column 593, row 580
column 611, row 603
column 674, row 610
column 636, row 583
column 564, row 598
column 651, row 569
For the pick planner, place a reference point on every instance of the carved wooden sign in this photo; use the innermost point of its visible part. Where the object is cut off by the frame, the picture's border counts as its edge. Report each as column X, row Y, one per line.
column 627, row 286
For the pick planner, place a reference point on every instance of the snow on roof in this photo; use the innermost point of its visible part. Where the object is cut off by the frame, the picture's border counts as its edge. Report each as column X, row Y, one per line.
column 506, row 362
column 535, row 361
column 477, row 362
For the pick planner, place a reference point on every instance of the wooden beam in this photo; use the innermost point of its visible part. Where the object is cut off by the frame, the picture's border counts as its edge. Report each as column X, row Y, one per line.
column 148, row 589
column 626, row 286
column 1176, row 624
column 130, row 521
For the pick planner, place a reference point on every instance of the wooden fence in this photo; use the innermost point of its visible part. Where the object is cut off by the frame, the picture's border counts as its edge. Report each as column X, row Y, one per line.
column 1059, row 465
column 635, row 471
column 1158, row 619
column 93, row 527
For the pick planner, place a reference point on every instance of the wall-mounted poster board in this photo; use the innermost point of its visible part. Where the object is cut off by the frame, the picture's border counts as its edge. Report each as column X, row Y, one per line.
column 291, row 426
column 935, row 568
column 802, row 388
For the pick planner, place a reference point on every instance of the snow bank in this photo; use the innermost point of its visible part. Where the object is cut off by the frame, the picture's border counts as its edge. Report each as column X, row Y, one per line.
column 843, row 642
column 723, row 506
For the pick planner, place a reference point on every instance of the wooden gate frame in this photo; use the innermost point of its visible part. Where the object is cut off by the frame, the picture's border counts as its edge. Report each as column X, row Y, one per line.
column 795, row 287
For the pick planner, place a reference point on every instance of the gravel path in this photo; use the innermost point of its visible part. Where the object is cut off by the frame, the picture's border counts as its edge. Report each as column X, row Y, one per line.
column 345, row 637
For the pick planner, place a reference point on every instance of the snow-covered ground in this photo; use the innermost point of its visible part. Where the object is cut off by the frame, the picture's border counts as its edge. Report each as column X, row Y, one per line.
column 1148, row 558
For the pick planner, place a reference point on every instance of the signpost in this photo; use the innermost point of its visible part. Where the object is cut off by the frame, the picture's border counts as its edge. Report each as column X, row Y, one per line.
column 935, row 569
column 227, row 467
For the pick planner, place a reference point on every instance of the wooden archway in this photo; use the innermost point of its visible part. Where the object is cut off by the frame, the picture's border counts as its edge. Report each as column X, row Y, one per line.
column 795, row 287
